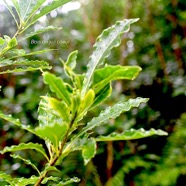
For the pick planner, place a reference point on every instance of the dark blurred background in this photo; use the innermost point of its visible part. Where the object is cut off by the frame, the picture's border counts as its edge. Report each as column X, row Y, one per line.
column 157, row 43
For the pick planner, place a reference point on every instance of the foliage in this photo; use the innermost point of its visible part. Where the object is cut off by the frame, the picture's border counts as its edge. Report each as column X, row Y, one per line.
column 61, row 115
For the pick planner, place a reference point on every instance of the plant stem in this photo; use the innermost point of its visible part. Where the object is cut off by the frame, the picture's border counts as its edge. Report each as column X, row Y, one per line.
column 53, row 162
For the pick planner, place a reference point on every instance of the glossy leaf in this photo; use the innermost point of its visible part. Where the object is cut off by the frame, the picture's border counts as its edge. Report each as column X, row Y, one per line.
column 10, row 8
column 110, row 73
column 53, row 133
column 15, row 121
column 33, row 53
column 60, row 107
column 131, row 135
column 109, row 39
column 46, row 9
column 18, row 181
column 28, row 162
column 89, row 150
column 57, row 86
column 39, row 31
column 86, row 102
column 113, row 112
column 23, row 66
column 71, row 61
column 25, row 146
column 26, row 8
column 46, row 116
column 51, row 178
column 102, row 95
column 68, row 181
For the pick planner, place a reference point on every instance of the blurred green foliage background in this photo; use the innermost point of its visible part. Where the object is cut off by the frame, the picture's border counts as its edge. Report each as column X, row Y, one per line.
column 157, row 43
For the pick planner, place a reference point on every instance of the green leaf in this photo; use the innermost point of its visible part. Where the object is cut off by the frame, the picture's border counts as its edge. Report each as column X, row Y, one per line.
column 53, row 133
column 86, row 102
column 57, row 86
column 89, row 150
column 2, row 41
column 24, row 146
column 110, row 73
column 46, row 116
column 109, row 39
column 71, row 61
column 102, row 95
column 113, row 112
column 68, row 181
column 51, row 178
column 28, row 162
column 16, row 121
column 46, row 9
column 33, row 53
column 39, row 31
column 23, row 66
column 7, row 178
column 131, row 135
column 10, row 8
column 60, row 107
column 26, row 8
column 12, row 43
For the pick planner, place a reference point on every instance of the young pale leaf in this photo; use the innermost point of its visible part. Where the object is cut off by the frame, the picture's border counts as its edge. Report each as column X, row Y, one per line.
column 2, row 41
column 28, row 162
column 46, row 9
column 110, row 73
column 60, row 107
column 24, row 146
column 113, row 112
column 86, row 102
column 53, row 133
column 109, row 39
column 12, row 43
column 46, row 116
column 102, row 95
column 131, row 135
column 68, row 181
column 89, row 150
column 71, row 61
column 57, row 86
column 39, row 31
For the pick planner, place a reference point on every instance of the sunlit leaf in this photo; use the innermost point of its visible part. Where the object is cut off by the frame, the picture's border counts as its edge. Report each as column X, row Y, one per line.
column 60, row 107
column 110, row 73
column 131, row 135
column 109, row 39
column 57, row 86
column 53, row 133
